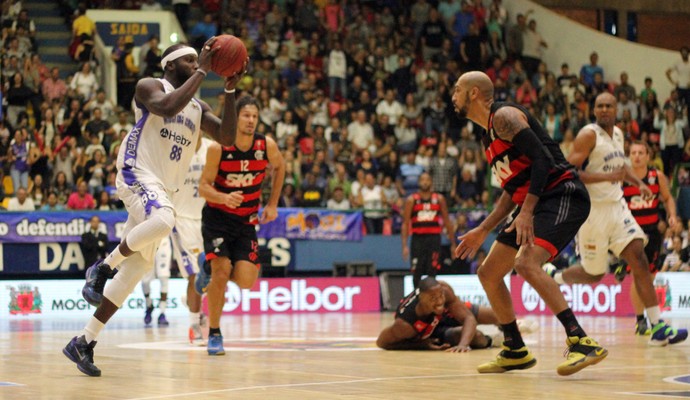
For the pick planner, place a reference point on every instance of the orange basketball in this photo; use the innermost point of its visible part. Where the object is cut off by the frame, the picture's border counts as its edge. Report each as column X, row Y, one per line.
column 230, row 56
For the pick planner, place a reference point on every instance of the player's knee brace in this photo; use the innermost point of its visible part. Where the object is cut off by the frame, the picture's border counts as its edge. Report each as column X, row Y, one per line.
column 155, row 228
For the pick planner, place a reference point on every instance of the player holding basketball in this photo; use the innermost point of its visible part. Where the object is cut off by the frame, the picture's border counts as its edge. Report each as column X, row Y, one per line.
column 229, row 229
column 646, row 213
column 432, row 317
column 425, row 215
column 598, row 152
column 152, row 162
column 552, row 204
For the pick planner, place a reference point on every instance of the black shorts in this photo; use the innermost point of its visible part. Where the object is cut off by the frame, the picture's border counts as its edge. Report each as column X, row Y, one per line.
column 425, row 254
column 442, row 331
column 229, row 238
column 653, row 248
column 557, row 217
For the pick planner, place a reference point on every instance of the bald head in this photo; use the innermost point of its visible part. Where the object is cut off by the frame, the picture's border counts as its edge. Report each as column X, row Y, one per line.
column 605, row 97
column 481, row 81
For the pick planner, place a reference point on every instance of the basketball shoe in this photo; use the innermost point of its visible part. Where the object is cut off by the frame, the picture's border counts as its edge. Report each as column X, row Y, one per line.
column 509, row 359
column 162, row 321
column 147, row 316
column 663, row 334
column 215, row 345
column 81, row 353
column 96, row 276
column 642, row 328
column 581, row 352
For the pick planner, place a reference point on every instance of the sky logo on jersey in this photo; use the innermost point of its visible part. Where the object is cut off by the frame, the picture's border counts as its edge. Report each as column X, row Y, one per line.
column 175, row 137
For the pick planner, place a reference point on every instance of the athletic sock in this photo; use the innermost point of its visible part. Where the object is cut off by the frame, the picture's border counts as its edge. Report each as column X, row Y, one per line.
column 114, row 258
column 149, row 301
column 214, row 331
column 194, row 318
column 572, row 327
column 512, row 336
column 92, row 329
column 653, row 314
column 163, row 305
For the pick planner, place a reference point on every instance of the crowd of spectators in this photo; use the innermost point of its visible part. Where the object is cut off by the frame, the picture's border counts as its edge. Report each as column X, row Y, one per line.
column 356, row 94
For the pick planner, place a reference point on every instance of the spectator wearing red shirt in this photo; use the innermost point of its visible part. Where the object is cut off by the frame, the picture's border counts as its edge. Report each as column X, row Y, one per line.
column 81, row 199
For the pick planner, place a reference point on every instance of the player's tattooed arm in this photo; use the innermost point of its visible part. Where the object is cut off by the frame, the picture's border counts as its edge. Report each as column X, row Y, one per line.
column 508, row 121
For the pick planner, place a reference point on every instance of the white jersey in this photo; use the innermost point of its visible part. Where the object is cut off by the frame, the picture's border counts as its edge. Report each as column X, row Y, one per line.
column 607, row 156
column 188, row 203
column 160, row 148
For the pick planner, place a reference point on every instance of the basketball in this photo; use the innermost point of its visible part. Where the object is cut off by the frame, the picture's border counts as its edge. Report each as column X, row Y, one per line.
column 229, row 58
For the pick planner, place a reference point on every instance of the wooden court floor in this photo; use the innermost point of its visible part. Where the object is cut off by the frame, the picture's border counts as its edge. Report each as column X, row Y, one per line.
column 322, row 356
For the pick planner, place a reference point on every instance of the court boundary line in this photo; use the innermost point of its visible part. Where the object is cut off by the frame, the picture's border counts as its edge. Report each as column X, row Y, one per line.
column 385, row 379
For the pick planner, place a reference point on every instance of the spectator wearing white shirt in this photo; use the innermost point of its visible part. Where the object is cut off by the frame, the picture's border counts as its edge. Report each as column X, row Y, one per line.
column 338, row 200
column 390, row 107
column 22, row 202
column 361, row 133
column 681, row 70
column 337, row 71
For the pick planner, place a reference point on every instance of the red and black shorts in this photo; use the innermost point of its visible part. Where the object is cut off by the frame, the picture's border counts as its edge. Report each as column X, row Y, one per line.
column 225, row 237
column 557, row 217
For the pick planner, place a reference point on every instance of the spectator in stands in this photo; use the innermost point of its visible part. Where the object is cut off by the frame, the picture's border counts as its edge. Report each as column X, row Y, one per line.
column 22, row 202
column 181, row 8
column 626, row 87
column 432, row 34
column 588, row 71
column 360, row 133
column 18, row 96
column 443, row 170
column 681, row 70
column 629, row 126
column 54, row 88
column 38, row 191
column 150, row 5
column 203, row 30
column 671, row 139
column 373, row 200
column 533, row 48
column 95, row 172
column 673, row 262
column 86, row 51
column 338, row 200
column 312, row 192
column 552, row 122
column 18, row 159
column 647, row 90
column 103, row 103
column 81, row 199
column 473, row 50
column 127, row 76
column 152, row 59
column 626, row 103
column 390, row 107
column 104, row 202
column 566, row 145
column 515, row 42
column 52, row 203
column 85, row 82
column 408, row 175
column 61, row 187
column 419, row 15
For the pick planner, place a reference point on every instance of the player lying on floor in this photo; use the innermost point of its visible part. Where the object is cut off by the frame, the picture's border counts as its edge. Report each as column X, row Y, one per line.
column 432, row 317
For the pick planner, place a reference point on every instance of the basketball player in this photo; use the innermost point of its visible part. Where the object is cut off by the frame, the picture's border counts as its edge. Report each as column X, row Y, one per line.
column 552, row 204
column 152, row 162
column 646, row 213
column 598, row 152
column 160, row 271
column 432, row 317
column 229, row 230
column 187, row 242
column 423, row 214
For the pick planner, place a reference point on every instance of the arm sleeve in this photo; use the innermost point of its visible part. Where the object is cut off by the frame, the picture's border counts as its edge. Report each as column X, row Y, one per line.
column 529, row 144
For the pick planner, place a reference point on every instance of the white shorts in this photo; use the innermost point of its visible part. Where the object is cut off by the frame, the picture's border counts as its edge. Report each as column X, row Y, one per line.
column 610, row 226
column 141, row 194
column 187, row 244
column 162, row 262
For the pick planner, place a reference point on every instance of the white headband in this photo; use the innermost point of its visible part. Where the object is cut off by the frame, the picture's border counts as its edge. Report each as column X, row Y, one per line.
column 181, row 52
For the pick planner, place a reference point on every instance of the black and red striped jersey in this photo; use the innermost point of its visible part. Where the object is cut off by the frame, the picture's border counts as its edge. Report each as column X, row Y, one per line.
column 513, row 169
column 245, row 171
column 425, row 325
column 426, row 215
column 646, row 212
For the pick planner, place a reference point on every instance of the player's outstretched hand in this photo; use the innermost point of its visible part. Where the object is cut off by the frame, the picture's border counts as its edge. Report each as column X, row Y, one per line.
column 434, row 344
column 470, row 242
column 232, row 81
column 233, row 200
column 207, row 54
column 646, row 192
column 269, row 214
column 459, row 349
column 523, row 225
column 617, row 175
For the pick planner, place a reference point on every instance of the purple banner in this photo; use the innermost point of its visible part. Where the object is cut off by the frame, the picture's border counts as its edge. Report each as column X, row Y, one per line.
column 68, row 226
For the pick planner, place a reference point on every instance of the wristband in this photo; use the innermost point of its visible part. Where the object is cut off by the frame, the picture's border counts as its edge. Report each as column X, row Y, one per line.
column 201, row 70
column 229, row 91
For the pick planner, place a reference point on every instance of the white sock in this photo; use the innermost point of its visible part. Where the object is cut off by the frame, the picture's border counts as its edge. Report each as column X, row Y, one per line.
column 149, row 302
column 194, row 318
column 114, row 258
column 559, row 278
column 92, row 329
column 653, row 314
column 163, row 305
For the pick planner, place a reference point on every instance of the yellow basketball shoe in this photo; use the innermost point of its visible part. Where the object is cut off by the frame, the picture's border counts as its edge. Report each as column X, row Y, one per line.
column 509, row 359
column 581, row 352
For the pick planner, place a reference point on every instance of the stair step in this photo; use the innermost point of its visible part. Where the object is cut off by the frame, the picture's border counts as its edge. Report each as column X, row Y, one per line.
column 34, row 6
column 53, row 50
column 53, row 20
column 50, row 59
column 52, row 28
column 43, row 35
column 54, row 42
